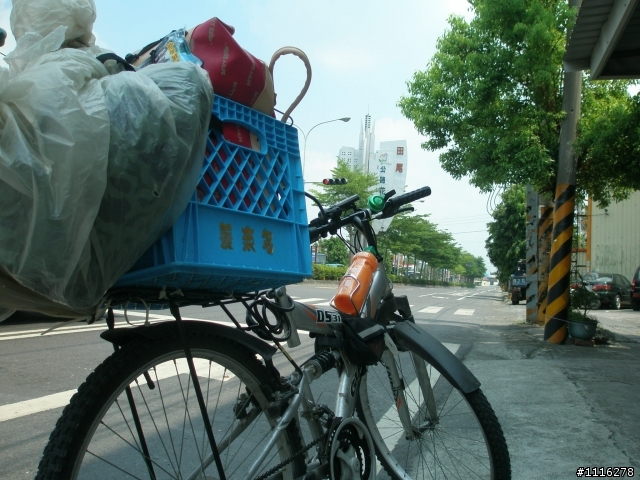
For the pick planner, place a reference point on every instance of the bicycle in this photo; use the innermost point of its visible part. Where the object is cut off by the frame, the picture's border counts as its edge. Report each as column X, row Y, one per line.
column 202, row 400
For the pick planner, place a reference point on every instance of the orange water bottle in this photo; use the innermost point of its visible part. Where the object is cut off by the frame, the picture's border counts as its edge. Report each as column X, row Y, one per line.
column 355, row 284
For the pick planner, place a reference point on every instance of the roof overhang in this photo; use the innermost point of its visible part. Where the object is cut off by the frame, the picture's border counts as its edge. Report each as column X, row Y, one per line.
column 606, row 39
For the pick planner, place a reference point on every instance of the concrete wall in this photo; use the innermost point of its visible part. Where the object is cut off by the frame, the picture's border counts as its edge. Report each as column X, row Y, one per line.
column 615, row 237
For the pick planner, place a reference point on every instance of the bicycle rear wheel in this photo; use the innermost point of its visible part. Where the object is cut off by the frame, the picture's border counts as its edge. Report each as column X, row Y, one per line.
column 460, row 439
column 97, row 437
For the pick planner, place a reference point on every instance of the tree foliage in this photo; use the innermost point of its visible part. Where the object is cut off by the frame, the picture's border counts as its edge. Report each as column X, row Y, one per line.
column 335, row 250
column 359, row 183
column 491, row 98
column 474, row 267
column 507, row 233
column 608, row 145
column 411, row 235
column 416, row 236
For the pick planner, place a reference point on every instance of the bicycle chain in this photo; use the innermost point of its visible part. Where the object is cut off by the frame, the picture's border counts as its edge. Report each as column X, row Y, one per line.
column 292, row 457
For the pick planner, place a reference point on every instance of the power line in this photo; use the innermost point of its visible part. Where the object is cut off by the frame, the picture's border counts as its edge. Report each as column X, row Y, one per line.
column 483, row 215
column 462, row 222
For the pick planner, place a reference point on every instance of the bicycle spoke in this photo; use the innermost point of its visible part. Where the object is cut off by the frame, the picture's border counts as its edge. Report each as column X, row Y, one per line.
column 113, row 465
column 166, row 418
column 235, row 401
column 128, row 443
column 188, row 415
column 155, row 426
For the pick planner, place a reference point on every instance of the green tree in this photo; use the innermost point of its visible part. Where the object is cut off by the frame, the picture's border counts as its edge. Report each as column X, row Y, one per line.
column 608, row 144
column 336, row 250
column 491, row 99
column 474, row 267
column 507, row 233
column 358, row 183
column 417, row 237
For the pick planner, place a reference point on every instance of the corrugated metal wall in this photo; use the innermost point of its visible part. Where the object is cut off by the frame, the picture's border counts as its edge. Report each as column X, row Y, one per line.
column 615, row 237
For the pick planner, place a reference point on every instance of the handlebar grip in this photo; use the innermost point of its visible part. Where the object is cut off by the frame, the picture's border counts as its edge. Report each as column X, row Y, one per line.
column 396, row 202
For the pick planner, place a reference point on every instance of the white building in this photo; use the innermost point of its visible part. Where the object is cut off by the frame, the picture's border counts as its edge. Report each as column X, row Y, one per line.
column 389, row 162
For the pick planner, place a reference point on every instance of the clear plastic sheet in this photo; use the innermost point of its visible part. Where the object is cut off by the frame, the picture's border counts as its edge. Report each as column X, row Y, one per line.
column 93, row 167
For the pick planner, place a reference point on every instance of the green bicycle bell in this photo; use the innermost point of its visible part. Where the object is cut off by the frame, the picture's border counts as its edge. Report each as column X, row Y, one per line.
column 375, row 203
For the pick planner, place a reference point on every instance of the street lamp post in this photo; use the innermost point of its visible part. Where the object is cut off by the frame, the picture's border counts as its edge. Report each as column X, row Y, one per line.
column 305, row 135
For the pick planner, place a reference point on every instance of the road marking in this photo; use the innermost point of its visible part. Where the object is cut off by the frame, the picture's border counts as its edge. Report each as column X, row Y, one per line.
column 439, row 297
column 413, row 391
column 467, row 296
column 82, row 328
column 57, row 400
column 36, row 405
column 464, row 311
column 431, row 310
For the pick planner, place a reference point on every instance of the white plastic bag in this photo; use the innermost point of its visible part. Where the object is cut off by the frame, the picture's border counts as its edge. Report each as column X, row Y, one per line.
column 44, row 16
column 54, row 149
column 93, row 167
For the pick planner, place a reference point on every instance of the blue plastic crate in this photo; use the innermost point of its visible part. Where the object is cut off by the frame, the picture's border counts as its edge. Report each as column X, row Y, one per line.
column 246, row 226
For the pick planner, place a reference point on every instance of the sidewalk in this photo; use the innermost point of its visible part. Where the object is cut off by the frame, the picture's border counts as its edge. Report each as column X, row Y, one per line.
column 562, row 407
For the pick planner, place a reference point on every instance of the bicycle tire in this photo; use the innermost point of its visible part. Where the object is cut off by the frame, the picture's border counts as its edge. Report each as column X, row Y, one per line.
column 465, row 440
column 96, row 436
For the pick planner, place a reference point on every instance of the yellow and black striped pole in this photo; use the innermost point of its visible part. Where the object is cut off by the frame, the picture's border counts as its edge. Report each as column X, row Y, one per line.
column 557, row 312
column 545, row 230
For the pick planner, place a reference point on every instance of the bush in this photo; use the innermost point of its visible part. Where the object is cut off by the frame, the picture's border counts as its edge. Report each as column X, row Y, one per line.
column 323, row 272
column 404, row 280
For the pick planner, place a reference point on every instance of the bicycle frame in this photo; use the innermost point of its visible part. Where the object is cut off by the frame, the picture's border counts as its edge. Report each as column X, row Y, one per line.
column 323, row 322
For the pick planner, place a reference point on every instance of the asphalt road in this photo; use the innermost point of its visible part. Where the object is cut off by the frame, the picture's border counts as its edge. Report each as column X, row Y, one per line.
column 39, row 373
column 561, row 407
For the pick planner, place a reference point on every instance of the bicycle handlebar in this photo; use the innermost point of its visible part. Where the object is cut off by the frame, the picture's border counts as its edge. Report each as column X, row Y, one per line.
column 330, row 220
column 394, row 203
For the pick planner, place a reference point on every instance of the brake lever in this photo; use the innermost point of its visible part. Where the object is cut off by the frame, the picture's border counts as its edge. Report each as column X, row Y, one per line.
column 394, row 213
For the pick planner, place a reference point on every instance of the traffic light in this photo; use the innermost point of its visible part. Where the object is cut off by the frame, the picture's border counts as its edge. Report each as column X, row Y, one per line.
column 335, row 181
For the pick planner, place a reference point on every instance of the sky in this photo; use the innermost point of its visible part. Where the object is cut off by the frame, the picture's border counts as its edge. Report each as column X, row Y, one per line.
column 362, row 53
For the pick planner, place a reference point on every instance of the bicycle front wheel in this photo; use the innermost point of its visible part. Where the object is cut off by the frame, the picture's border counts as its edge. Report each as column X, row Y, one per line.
column 442, row 432
column 137, row 416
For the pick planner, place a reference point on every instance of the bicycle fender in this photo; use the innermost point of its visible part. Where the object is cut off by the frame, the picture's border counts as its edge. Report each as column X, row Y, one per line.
column 415, row 339
column 156, row 331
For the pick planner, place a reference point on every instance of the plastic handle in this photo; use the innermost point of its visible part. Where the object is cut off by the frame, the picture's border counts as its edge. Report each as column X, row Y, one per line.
column 302, row 56
column 396, row 202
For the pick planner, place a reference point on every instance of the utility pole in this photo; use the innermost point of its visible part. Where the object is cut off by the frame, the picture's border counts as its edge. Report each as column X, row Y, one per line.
column 557, row 312
column 532, row 254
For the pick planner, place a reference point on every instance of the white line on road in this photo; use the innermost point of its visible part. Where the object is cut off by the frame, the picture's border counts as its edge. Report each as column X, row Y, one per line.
column 82, row 328
column 464, row 311
column 386, row 424
column 430, row 310
column 307, row 300
column 467, row 296
column 36, row 405
column 57, row 400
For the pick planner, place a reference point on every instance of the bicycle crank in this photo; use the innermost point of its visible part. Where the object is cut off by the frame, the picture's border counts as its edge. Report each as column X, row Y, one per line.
column 352, row 456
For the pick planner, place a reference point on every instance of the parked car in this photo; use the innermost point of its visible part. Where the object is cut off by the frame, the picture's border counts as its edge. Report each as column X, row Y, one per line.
column 613, row 289
column 635, row 290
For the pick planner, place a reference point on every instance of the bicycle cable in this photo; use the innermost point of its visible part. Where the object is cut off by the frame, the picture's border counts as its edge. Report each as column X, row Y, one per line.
column 259, row 320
